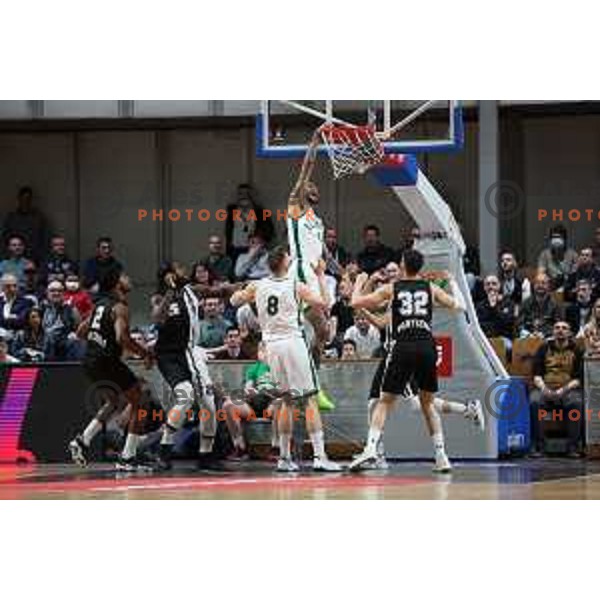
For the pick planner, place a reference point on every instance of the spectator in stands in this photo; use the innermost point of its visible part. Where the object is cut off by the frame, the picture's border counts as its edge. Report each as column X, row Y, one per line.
column 15, row 262
column 579, row 312
column 558, row 261
column 558, row 373
column 240, row 226
column 233, row 346
column 374, row 255
column 365, row 336
column 13, row 306
column 342, row 314
column 596, row 246
column 336, row 256
column 58, row 264
column 247, row 320
column 5, row 357
column 60, row 321
column 76, row 297
column 586, row 269
column 217, row 261
column 30, row 343
column 591, row 331
column 213, row 327
column 540, row 311
column 253, row 264
column 349, row 350
column 95, row 267
column 512, row 285
column 31, row 288
column 392, row 272
column 29, row 224
column 496, row 313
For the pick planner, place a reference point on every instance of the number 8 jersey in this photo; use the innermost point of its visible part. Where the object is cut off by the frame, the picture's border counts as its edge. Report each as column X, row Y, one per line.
column 412, row 310
column 278, row 308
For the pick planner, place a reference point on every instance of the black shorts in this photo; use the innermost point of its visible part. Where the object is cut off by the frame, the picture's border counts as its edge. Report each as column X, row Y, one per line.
column 410, row 361
column 110, row 370
column 174, row 368
column 377, row 382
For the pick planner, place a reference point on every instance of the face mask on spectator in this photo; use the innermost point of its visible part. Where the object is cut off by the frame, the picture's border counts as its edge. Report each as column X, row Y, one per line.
column 557, row 243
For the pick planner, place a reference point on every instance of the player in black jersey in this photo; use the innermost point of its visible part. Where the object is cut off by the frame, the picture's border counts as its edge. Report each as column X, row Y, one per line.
column 182, row 363
column 412, row 354
column 107, row 334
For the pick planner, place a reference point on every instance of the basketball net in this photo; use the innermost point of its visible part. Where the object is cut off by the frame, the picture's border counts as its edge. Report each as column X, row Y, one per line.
column 351, row 149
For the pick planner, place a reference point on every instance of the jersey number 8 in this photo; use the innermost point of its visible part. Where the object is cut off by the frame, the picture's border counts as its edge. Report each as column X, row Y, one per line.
column 272, row 305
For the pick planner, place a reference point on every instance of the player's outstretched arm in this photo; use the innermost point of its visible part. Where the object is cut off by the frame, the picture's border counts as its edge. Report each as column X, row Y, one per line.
column 245, row 296
column 373, row 300
column 454, row 302
column 380, row 320
column 296, row 204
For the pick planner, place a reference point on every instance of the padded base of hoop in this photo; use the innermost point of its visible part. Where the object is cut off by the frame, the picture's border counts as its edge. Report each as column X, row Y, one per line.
column 396, row 170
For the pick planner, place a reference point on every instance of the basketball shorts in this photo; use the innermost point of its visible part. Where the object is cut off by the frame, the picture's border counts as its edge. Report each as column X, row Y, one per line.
column 189, row 365
column 408, row 361
column 378, row 382
column 292, row 367
column 109, row 371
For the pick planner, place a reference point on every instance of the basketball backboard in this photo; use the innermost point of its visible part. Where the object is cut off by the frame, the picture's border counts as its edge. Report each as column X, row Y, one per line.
column 404, row 126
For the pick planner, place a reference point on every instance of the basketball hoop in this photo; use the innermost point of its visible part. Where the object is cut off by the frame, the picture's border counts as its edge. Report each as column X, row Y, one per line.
column 351, row 149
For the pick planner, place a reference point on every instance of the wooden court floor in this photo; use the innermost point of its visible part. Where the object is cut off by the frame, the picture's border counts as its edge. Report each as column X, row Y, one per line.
column 505, row 480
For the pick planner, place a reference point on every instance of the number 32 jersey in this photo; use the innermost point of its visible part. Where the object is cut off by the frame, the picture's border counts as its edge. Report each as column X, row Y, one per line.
column 278, row 308
column 412, row 310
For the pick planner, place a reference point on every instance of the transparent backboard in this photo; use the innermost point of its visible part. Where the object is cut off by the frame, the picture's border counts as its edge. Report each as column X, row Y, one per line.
column 284, row 127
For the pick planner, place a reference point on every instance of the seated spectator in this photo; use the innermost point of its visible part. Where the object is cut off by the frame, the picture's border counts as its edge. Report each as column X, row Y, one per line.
column 558, row 373
column 539, row 312
column 60, row 322
column 32, row 288
column 15, row 263
column 374, row 255
column 213, row 327
column 28, row 223
column 596, row 246
column 591, row 331
column 336, row 257
column 512, row 285
column 240, row 227
column 558, row 260
column 365, row 336
column 258, row 400
column 253, row 264
column 233, row 346
column 78, row 298
column 496, row 313
column 578, row 313
column 342, row 314
column 30, row 343
column 217, row 261
column 349, row 350
column 586, row 269
column 247, row 320
column 58, row 263
column 13, row 306
column 95, row 268
column 392, row 272
column 5, row 357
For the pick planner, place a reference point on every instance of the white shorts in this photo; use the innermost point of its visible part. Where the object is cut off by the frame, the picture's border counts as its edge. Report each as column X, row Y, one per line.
column 292, row 367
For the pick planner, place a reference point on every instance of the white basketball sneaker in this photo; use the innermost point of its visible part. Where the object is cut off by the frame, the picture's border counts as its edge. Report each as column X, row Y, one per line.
column 287, row 465
column 324, row 464
column 475, row 413
column 442, row 464
column 367, row 455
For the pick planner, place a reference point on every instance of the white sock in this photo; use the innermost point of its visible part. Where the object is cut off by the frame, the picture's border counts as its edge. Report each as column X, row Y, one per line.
column 91, row 431
column 131, row 445
column 168, row 436
column 318, row 444
column 438, row 443
column 373, row 438
column 285, row 445
column 380, row 447
column 206, row 444
column 238, row 442
column 446, row 406
column 274, row 439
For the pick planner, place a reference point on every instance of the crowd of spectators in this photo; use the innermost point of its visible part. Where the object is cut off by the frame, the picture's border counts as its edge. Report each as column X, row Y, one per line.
column 45, row 294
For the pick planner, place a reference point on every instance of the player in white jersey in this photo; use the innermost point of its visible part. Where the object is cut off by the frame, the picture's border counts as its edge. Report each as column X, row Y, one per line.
column 278, row 300
column 306, row 237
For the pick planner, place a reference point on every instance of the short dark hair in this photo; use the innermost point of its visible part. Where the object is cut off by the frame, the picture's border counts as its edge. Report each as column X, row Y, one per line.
column 25, row 190
column 232, row 328
column 276, row 256
column 108, row 280
column 560, row 230
column 372, row 228
column 349, row 341
column 413, row 261
column 105, row 239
